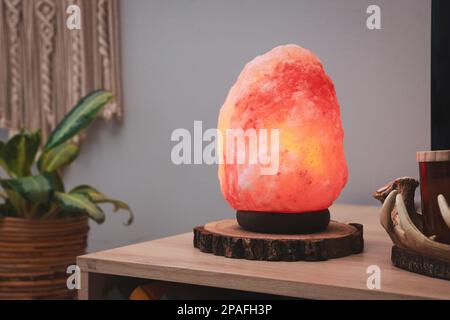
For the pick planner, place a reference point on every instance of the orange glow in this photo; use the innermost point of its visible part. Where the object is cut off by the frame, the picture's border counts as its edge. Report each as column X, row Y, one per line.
column 286, row 89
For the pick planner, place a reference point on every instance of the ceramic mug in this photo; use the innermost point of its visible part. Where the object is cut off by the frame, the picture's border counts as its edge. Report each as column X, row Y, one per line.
column 434, row 169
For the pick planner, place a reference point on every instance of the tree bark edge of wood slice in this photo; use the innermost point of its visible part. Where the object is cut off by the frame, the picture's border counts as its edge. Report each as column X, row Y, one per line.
column 242, row 244
column 420, row 263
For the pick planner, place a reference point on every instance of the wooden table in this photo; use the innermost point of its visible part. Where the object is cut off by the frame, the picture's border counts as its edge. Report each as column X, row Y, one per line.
column 174, row 259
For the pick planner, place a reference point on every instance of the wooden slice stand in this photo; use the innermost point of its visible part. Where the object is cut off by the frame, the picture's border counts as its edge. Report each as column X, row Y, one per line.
column 226, row 238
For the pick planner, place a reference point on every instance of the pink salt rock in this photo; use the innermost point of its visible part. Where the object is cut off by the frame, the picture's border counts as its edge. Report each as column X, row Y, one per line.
column 286, row 89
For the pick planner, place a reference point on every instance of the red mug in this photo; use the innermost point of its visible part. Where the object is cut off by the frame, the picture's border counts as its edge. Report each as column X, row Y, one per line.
column 434, row 169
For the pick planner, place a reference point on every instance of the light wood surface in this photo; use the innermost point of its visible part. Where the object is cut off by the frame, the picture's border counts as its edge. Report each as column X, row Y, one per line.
column 230, row 227
column 175, row 259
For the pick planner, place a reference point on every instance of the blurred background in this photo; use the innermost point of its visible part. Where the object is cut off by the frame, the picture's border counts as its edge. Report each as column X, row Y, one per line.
column 180, row 58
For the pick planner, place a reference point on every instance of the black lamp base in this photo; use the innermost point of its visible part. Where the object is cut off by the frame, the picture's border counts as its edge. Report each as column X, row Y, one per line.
column 284, row 223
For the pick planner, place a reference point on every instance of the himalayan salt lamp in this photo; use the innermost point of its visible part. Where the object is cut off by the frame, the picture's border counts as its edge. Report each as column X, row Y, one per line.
column 285, row 89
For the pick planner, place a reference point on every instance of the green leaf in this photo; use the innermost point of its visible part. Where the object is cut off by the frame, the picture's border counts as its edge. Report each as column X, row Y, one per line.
column 55, row 181
column 51, row 210
column 98, row 197
column 27, row 193
column 80, row 203
column 20, row 151
column 58, row 157
column 17, row 202
column 80, row 117
column 3, row 164
column 31, row 195
column 34, row 189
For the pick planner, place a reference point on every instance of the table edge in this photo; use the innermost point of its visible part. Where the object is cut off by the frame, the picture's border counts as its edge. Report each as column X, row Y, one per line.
column 301, row 291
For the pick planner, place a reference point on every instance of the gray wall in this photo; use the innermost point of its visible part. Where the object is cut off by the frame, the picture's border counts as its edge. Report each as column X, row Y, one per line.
column 180, row 59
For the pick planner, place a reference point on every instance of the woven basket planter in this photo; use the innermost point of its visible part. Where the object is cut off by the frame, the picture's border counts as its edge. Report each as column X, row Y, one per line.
column 35, row 254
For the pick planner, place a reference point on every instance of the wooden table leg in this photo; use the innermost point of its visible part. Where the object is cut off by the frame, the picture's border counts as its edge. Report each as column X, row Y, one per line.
column 91, row 286
column 83, row 292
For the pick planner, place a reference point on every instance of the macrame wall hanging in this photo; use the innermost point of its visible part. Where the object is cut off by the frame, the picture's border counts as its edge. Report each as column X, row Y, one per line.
column 45, row 67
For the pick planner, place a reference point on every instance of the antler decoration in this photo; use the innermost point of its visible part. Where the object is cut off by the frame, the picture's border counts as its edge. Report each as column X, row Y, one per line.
column 445, row 211
column 404, row 225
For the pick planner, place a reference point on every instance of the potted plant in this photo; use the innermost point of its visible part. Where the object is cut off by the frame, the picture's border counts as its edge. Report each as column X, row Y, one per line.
column 43, row 225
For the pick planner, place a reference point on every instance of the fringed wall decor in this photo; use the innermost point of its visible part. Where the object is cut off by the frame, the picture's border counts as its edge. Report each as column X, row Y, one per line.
column 46, row 67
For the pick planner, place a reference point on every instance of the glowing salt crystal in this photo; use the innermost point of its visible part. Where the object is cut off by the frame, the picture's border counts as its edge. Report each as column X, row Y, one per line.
column 286, row 89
